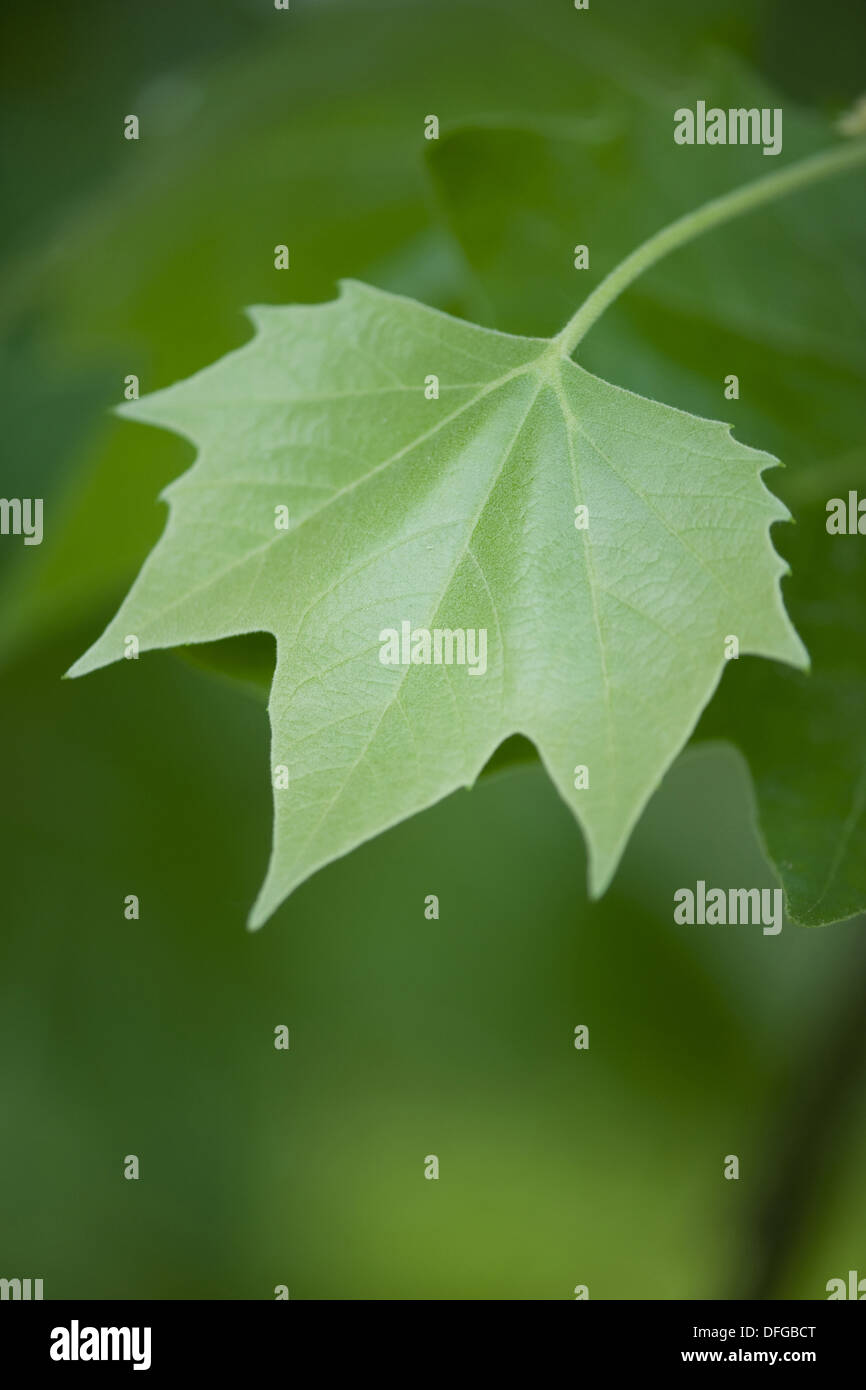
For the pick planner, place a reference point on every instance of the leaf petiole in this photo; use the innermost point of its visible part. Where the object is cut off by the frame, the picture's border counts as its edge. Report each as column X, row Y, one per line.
column 704, row 219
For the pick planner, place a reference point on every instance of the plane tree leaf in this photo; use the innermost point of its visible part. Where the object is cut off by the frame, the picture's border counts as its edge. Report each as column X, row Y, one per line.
column 781, row 302
column 804, row 736
column 454, row 514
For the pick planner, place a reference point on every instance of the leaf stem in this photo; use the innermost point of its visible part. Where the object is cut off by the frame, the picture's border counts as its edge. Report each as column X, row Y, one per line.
column 704, row 219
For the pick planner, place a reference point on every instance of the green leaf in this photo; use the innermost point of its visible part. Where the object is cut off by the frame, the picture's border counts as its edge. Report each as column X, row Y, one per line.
column 130, row 276
column 781, row 301
column 804, row 737
column 603, row 645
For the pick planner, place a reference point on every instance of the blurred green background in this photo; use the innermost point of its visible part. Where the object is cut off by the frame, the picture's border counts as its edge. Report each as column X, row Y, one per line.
column 408, row 1037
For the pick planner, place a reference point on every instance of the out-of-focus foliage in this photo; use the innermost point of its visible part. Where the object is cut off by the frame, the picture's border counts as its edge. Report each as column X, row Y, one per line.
column 408, row 1036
